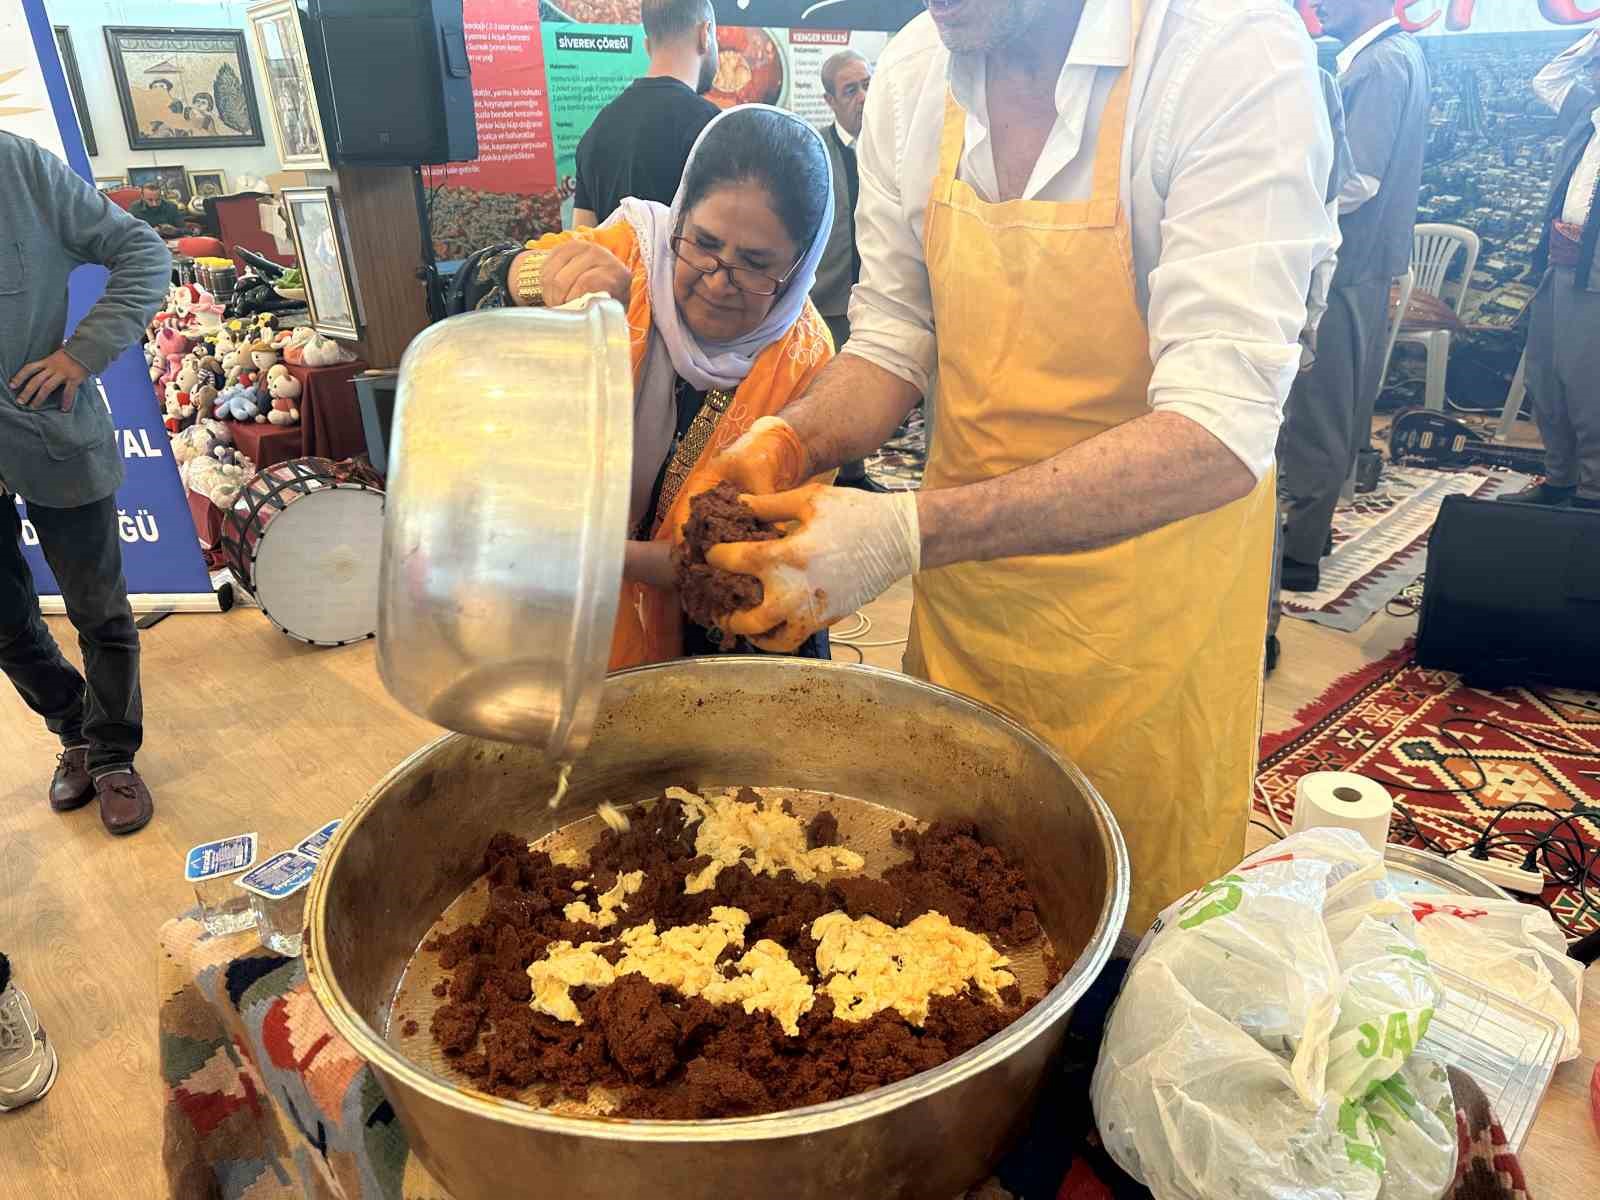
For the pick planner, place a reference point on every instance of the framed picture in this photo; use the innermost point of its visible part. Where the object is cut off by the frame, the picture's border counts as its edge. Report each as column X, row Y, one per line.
column 110, row 183
column 69, row 64
column 208, row 183
column 324, row 262
column 291, row 95
column 189, row 87
column 173, row 182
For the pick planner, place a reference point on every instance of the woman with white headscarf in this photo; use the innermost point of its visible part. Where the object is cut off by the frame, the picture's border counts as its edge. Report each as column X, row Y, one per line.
column 717, row 293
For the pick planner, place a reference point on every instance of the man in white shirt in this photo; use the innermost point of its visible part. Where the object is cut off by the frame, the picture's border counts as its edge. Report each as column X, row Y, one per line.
column 1100, row 233
column 1383, row 80
column 1564, row 333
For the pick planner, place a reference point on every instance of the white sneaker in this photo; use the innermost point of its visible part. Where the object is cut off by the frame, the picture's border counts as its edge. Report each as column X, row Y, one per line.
column 27, row 1059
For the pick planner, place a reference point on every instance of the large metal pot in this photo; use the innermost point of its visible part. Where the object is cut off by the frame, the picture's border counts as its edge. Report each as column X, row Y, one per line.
column 417, row 841
column 505, row 520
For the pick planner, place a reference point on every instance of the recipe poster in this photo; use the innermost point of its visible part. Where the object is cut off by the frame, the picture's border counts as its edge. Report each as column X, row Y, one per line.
column 509, row 192
column 587, row 67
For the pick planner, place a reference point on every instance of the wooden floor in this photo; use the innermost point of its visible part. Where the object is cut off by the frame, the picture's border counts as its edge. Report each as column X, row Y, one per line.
column 248, row 730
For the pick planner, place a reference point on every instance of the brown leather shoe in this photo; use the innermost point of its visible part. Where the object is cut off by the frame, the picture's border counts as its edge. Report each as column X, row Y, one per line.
column 70, row 786
column 125, row 802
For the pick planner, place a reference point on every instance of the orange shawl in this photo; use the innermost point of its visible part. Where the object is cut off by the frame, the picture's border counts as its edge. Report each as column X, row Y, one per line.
column 649, row 624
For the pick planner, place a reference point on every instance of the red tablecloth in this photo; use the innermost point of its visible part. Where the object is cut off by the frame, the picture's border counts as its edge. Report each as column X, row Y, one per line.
column 264, row 443
column 207, row 519
column 329, row 411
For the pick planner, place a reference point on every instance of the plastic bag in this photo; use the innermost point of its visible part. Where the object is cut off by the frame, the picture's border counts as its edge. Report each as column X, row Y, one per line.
column 1260, row 1043
column 1511, row 947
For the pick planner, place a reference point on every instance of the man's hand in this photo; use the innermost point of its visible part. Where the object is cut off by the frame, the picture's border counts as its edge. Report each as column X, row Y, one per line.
column 39, row 380
column 844, row 549
column 576, row 268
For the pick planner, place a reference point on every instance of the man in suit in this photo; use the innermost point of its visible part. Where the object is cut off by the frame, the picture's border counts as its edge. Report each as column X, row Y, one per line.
column 846, row 76
column 1383, row 81
column 1564, row 333
column 845, row 79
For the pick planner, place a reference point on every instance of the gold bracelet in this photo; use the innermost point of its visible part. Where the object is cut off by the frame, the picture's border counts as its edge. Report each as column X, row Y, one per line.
column 529, row 287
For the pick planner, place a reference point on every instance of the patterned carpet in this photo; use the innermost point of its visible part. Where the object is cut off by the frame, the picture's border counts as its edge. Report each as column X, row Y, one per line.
column 1380, row 543
column 1418, row 732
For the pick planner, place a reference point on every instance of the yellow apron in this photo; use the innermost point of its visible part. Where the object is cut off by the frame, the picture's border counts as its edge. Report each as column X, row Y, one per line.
column 1142, row 661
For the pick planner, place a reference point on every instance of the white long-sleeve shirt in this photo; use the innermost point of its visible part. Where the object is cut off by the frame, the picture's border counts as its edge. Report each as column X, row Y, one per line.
column 1553, row 84
column 1226, row 159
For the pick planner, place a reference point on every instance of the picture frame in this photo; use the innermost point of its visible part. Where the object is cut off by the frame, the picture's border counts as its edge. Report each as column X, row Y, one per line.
column 186, row 88
column 278, row 39
column 110, row 183
column 69, row 66
column 208, row 183
column 174, row 181
column 319, row 247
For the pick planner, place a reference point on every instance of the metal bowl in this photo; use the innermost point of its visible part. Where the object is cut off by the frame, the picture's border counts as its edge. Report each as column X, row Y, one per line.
column 416, row 842
column 505, row 523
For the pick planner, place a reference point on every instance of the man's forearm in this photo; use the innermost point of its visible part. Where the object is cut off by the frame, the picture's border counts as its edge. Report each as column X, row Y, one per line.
column 851, row 409
column 1144, row 474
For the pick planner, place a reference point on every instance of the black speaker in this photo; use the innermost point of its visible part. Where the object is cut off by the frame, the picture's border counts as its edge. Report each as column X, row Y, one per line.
column 399, row 85
column 1512, row 594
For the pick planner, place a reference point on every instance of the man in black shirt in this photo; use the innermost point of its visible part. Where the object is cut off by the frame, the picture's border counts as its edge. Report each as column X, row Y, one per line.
column 154, row 209
column 639, row 142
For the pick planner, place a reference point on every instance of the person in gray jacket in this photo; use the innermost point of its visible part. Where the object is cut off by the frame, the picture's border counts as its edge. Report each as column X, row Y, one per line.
column 58, row 452
column 1564, row 332
column 1383, row 80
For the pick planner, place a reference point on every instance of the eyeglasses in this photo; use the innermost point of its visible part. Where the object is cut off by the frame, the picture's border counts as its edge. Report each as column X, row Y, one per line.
column 756, row 283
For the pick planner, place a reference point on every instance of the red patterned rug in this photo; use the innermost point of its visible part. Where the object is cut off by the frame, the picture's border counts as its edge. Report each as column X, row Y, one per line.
column 1458, row 758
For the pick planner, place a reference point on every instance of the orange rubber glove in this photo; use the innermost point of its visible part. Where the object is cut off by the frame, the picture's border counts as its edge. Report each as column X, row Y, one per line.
column 843, row 548
column 767, row 458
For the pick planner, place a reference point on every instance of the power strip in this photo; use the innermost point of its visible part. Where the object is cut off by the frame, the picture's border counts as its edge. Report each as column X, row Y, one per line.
column 1508, row 875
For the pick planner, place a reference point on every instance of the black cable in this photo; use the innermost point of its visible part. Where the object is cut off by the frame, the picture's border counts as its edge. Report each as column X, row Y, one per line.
column 1276, row 836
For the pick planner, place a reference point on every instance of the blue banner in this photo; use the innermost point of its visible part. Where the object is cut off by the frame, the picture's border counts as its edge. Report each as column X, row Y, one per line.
column 160, row 552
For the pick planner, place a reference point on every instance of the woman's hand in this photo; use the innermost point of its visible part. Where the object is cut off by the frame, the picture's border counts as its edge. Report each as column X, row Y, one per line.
column 577, row 267
column 767, row 458
column 842, row 549
column 649, row 563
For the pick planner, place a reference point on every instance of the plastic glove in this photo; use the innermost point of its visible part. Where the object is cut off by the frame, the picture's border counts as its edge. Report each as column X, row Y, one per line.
column 767, row 458
column 844, row 549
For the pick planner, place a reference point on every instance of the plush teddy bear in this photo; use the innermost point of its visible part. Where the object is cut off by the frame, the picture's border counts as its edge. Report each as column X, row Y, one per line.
column 197, row 441
column 284, row 389
column 294, row 348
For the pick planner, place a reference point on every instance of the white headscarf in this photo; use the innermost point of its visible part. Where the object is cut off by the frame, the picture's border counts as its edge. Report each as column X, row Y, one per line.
column 674, row 351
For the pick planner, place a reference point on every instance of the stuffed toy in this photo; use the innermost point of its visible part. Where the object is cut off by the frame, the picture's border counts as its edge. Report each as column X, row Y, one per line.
column 198, row 440
column 294, row 348
column 172, row 345
column 263, row 357
column 239, row 403
column 284, row 389
column 321, row 351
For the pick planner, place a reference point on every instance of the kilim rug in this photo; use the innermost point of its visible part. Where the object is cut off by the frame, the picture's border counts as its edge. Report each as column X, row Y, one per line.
column 898, row 466
column 1380, row 542
column 1410, row 729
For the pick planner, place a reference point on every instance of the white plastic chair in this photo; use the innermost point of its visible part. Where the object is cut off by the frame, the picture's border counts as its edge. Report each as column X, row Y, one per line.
column 1406, row 284
column 1433, row 249
column 1514, row 397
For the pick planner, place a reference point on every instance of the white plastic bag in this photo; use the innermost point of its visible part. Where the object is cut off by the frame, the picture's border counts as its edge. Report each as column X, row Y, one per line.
column 1255, row 1048
column 1511, row 947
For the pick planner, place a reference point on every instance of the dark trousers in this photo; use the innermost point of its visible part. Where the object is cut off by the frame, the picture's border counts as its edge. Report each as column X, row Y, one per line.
column 1328, row 418
column 85, row 554
column 851, row 472
column 1564, row 380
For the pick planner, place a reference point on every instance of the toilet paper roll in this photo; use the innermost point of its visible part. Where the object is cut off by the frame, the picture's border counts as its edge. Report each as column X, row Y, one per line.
column 1343, row 800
